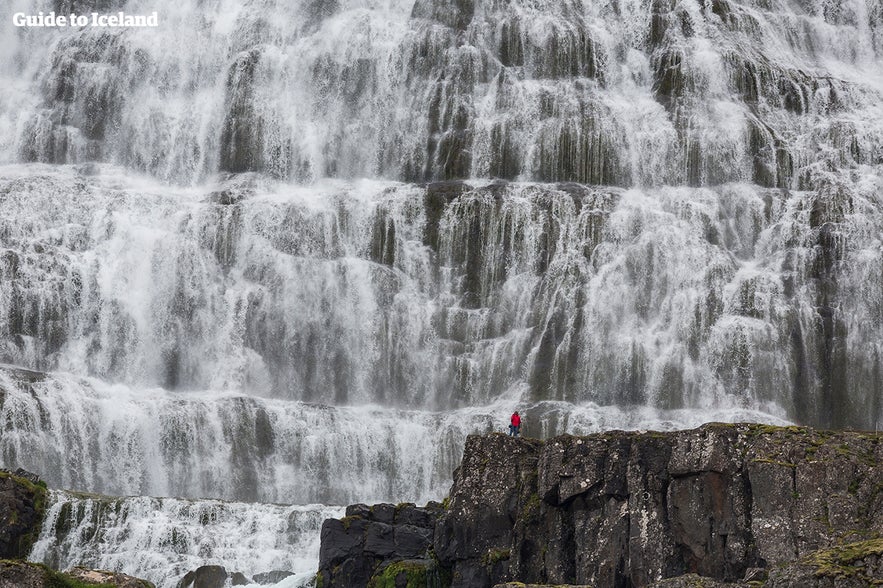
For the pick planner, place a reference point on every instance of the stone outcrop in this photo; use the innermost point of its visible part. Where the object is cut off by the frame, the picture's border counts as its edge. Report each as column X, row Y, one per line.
column 105, row 578
column 213, row 576
column 22, row 505
column 382, row 545
column 22, row 574
column 721, row 505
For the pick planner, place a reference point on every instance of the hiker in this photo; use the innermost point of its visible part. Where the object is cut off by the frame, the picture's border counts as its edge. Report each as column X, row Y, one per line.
column 514, row 424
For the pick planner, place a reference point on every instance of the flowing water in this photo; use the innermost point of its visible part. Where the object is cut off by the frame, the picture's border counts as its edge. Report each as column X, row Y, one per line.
column 295, row 252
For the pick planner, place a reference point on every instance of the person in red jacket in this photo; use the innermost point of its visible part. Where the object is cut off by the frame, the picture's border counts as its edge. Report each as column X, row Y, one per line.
column 514, row 424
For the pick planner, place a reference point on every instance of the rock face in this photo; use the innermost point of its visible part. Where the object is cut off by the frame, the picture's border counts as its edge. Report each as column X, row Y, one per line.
column 383, row 544
column 22, row 504
column 728, row 502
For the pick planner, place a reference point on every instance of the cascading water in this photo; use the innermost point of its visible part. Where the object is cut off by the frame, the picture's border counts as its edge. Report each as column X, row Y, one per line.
column 161, row 539
column 294, row 252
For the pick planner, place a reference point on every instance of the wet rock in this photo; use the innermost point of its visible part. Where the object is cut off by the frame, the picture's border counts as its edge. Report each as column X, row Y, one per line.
column 381, row 541
column 22, row 505
column 204, row 577
column 273, row 577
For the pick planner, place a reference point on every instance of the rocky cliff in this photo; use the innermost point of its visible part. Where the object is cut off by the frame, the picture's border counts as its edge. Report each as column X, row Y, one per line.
column 618, row 509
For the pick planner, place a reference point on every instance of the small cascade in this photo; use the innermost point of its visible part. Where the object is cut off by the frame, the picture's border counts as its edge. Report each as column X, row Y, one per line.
column 161, row 539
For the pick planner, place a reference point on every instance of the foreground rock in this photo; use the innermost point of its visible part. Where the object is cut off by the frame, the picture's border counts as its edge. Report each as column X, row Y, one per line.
column 383, row 545
column 214, row 577
column 734, row 503
column 21, row 574
column 22, row 506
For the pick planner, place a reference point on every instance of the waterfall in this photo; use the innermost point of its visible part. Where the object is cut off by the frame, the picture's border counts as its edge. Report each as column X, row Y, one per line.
column 294, row 252
column 161, row 539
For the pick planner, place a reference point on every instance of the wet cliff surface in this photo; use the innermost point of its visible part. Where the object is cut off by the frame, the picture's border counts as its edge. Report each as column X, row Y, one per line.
column 631, row 509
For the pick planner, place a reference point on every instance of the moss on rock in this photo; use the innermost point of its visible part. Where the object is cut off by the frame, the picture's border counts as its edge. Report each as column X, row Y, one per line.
column 22, row 508
column 841, row 561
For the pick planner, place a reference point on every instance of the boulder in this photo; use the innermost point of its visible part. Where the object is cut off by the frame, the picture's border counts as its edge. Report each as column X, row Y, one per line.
column 204, row 577
column 272, row 577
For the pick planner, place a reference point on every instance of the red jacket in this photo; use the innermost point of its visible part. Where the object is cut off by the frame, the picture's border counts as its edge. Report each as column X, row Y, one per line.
column 516, row 420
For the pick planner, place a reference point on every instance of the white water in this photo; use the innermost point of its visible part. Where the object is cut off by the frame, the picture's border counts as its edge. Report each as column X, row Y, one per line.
column 210, row 234
column 161, row 539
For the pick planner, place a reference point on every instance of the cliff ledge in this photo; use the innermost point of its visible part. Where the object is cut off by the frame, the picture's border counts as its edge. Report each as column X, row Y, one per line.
column 732, row 503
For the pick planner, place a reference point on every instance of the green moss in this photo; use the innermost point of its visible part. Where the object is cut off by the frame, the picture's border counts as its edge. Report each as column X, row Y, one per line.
column 415, row 574
column 446, row 503
column 854, row 485
column 38, row 495
column 58, row 580
column 54, row 579
column 319, row 580
column 759, row 429
column 531, row 509
column 774, row 462
column 839, row 562
column 347, row 521
column 494, row 556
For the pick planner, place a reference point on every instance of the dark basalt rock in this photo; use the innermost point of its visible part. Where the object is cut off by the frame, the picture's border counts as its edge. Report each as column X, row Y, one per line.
column 22, row 505
column 722, row 505
column 204, row 577
column 381, row 541
column 272, row 577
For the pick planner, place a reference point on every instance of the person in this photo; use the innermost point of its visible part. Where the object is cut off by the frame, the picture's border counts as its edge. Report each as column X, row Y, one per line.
column 514, row 424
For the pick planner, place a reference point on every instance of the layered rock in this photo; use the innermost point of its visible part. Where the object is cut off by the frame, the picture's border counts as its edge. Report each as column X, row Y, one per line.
column 382, row 545
column 733, row 503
